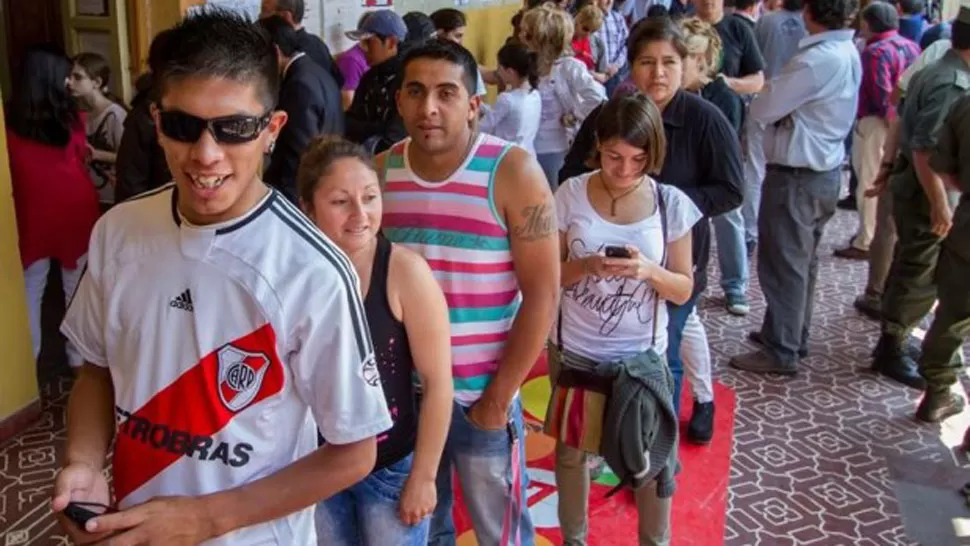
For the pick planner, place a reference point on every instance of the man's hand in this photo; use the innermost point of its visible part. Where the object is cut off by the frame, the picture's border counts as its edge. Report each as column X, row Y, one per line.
column 879, row 184
column 941, row 218
column 417, row 500
column 168, row 521
column 488, row 415
column 79, row 482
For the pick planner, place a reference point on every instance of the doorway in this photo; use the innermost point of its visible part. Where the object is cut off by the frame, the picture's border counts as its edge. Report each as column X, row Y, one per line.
column 26, row 24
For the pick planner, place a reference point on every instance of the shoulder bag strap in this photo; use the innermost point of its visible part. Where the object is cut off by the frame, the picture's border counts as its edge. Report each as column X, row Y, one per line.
column 662, row 209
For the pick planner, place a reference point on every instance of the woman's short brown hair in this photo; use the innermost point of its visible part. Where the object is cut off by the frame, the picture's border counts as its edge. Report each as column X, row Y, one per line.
column 655, row 29
column 320, row 156
column 636, row 120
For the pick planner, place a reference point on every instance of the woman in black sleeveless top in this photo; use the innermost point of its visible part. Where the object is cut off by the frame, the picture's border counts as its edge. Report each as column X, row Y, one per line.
column 408, row 319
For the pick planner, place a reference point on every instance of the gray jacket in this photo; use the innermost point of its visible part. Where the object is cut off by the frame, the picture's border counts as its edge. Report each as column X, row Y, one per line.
column 597, row 47
column 639, row 439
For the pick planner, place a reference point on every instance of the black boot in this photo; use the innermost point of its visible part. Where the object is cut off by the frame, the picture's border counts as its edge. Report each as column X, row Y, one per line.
column 891, row 360
column 937, row 405
column 701, row 427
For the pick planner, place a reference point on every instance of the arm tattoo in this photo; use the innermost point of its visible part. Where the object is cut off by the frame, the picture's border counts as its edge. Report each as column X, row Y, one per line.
column 539, row 223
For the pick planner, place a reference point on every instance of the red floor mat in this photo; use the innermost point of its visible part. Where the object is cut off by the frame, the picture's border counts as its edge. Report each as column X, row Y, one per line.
column 699, row 505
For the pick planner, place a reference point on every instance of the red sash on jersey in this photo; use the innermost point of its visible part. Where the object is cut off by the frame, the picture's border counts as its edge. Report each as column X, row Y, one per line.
column 181, row 419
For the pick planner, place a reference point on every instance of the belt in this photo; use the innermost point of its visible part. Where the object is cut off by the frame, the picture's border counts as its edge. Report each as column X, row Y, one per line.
column 792, row 170
column 591, row 382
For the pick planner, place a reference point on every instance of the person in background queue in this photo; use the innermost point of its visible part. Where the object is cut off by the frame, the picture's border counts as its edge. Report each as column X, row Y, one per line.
column 372, row 118
column 923, row 214
column 54, row 200
column 140, row 164
column 293, row 11
column 808, row 111
column 311, row 99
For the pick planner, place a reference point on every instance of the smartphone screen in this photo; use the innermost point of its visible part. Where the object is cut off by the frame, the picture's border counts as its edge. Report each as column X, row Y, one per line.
column 616, row 252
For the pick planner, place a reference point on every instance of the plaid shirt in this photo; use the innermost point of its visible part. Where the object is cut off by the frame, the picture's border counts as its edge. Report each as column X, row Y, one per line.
column 614, row 34
column 884, row 59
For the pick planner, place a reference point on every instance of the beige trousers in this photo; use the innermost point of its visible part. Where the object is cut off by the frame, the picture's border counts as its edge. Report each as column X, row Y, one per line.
column 867, row 142
column 572, row 480
column 881, row 247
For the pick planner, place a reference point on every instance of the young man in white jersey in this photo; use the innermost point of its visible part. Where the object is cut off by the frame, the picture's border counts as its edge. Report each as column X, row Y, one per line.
column 476, row 207
column 217, row 325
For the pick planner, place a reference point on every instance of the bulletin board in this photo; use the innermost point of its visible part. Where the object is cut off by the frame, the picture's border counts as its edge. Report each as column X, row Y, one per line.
column 331, row 19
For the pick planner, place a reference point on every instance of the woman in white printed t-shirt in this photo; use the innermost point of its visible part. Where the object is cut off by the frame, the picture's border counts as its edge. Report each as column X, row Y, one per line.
column 567, row 88
column 608, row 307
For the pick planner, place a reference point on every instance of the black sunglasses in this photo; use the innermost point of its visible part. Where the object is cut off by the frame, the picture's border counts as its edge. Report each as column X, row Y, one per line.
column 226, row 130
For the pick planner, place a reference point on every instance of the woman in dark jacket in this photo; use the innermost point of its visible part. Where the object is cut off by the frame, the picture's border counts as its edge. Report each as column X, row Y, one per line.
column 141, row 164
column 703, row 160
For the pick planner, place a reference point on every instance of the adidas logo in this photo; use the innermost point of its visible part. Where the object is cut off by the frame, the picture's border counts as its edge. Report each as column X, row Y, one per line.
column 183, row 301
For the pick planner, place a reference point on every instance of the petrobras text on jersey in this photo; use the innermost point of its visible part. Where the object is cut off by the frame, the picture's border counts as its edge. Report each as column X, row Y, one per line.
column 160, row 436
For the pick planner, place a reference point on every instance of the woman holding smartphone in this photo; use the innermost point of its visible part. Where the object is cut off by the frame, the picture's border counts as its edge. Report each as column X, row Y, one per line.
column 625, row 243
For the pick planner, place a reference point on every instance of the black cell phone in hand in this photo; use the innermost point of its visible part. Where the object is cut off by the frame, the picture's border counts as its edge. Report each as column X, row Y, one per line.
column 81, row 512
column 617, row 252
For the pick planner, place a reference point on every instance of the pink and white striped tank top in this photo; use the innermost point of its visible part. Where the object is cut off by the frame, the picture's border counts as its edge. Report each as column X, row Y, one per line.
column 454, row 224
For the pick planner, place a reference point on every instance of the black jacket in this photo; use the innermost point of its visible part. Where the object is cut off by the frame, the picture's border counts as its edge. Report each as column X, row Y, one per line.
column 703, row 160
column 311, row 100
column 317, row 50
column 141, row 164
column 372, row 118
column 727, row 101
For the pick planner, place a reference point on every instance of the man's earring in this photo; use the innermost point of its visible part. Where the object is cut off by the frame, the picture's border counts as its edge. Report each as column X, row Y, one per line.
column 272, row 145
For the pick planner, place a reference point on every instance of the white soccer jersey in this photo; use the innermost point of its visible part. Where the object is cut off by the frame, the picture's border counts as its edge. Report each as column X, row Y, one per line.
column 224, row 344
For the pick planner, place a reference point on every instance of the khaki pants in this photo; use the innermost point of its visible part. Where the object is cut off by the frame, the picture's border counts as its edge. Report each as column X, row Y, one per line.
column 572, row 480
column 881, row 247
column 867, row 142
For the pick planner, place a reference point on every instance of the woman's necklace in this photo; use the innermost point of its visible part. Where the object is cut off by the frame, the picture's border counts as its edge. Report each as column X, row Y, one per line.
column 614, row 199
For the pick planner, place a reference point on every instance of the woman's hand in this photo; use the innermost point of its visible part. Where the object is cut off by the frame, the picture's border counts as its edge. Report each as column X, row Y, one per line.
column 595, row 265
column 418, row 500
column 635, row 267
column 95, row 154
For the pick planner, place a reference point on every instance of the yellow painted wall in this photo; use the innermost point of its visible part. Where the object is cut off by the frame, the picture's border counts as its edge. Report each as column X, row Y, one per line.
column 18, row 386
column 488, row 28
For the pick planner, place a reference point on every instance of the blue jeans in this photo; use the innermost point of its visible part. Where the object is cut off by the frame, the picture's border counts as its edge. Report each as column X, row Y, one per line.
column 551, row 164
column 616, row 80
column 754, row 176
column 732, row 256
column 676, row 319
column 366, row 514
column 483, row 460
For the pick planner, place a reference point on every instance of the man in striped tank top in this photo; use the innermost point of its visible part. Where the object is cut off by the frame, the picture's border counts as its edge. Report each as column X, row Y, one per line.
column 480, row 211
